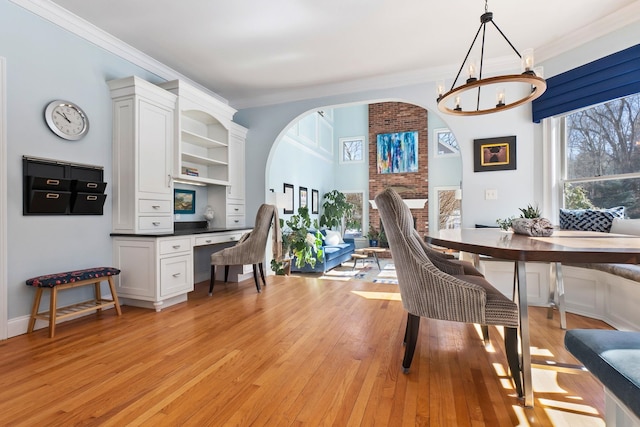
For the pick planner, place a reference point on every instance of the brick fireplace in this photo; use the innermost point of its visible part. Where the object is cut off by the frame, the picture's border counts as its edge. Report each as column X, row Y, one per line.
column 390, row 117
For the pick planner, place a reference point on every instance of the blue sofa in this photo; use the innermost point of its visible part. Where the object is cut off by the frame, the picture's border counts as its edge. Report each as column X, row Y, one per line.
column 334, row 255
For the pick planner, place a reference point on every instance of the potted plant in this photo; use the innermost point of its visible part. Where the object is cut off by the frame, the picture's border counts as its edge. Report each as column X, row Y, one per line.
column 373, row 236
column 302, row 240
column 334, row 209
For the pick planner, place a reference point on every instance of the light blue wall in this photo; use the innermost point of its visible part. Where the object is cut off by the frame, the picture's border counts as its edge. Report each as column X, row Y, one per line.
column 45, row 62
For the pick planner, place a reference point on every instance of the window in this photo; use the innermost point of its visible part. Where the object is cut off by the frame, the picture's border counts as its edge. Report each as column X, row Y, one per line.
column 602, row 156
column 446, row 143
column 352, row 150
column 354, row 220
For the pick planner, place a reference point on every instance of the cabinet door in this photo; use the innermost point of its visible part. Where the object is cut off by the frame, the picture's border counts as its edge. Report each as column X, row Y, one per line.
column 175, row 275
column 236, row 169
column 155, row 141
column 136, row 259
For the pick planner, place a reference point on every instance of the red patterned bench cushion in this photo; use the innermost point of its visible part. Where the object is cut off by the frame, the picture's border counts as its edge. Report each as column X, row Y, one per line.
column 51, row 280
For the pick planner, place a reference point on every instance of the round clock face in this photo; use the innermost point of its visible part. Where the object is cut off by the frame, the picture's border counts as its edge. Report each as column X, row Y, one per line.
column 66, row 120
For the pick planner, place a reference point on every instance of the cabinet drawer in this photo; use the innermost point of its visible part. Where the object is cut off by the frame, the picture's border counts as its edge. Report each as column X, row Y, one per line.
column 174, row 246
column 236, row 221
column 235, row 209
column 209, row 240
column 175, row 277
column 146, row 206
column 155, row 223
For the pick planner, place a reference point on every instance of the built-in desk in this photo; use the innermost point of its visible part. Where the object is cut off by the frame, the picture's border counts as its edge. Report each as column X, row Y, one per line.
column 157, row 270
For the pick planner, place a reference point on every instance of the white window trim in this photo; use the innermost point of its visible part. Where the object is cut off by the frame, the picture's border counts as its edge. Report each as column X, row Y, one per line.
column 435, row 144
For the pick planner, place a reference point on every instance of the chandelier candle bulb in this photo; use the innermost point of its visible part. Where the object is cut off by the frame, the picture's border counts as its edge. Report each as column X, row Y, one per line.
column 527, row 60
column 500, row 95
column 472, row 71
column 458, row 104
column 440, row 88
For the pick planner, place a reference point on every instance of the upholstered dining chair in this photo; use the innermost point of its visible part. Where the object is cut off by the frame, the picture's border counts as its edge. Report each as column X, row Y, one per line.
column 444, row 291
column 251, row 248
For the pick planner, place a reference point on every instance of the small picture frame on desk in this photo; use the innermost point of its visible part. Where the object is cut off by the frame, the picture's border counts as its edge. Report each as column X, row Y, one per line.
column 184, row 201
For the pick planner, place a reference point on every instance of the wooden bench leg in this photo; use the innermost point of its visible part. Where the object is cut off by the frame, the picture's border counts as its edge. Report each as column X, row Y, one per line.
column 116, row 303
column 34, row 310
column 53, row 302
column 98, row 292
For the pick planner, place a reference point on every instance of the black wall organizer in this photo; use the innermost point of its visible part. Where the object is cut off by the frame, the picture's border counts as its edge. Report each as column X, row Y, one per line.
column 52, row 187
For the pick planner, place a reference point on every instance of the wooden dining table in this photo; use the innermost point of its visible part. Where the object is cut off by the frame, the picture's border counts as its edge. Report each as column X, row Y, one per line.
column 564, row 246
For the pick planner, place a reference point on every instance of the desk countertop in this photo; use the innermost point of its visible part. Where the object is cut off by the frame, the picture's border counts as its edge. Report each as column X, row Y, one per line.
column 181, row 232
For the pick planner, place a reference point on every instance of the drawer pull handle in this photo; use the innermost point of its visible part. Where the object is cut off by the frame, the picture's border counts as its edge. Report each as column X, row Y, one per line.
column 156, row 206
column 176, row 246
column 92, row 198
column 208, row 241
column 156, row 223
column 177, row 274
column 236, row 209
column 53, row 182
column 236, row 221
column 52, row 196
column 92, row 185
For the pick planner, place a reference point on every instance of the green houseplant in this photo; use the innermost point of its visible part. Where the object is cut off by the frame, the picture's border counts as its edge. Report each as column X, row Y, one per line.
column 373, row 236
column 301, row 239
column 334, row 209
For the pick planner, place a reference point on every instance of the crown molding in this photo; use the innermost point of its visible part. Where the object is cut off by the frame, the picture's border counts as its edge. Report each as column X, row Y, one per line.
column 84, row 29
column 627, row 15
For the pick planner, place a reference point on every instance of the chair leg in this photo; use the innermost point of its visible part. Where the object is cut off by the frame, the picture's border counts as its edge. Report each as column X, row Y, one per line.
column 226, row 273
column 262, row 273
column 413, row 325
column 406, row 330
column 485, row 334
column 213, row 278
column 513, row 359
column 255, row 277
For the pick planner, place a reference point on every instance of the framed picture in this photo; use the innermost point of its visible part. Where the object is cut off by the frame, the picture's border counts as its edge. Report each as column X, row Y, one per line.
column 352, row 150
column 445, row 144
column 494, row 154
column 184, row 201
column 303, row 197
column 397, row 152
column 315, row 198
column 288, row 194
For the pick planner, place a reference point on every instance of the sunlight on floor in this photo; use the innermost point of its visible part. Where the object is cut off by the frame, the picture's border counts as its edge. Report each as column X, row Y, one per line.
column 390, row 296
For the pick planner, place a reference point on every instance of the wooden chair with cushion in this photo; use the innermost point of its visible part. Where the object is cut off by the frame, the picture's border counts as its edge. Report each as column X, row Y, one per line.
column 428, row 291
column 250, row 249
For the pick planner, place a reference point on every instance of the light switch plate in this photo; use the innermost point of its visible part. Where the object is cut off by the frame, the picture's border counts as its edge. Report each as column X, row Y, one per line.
column 491, row 194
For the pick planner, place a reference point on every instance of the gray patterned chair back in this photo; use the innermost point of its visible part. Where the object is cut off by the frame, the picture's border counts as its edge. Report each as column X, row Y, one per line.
column 250, row 249
column 427, row 291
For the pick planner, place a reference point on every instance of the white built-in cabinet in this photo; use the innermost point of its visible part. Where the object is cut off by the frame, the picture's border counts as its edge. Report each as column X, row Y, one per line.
column 143, row 140
column 155, row 272
column 209, row 150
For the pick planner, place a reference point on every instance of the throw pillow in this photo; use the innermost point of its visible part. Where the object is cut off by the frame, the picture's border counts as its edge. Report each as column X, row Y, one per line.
column 332, row 238
column 589, row 219
column 626, row 226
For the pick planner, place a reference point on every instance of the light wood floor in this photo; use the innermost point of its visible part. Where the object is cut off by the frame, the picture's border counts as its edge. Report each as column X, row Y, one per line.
column 303, row 352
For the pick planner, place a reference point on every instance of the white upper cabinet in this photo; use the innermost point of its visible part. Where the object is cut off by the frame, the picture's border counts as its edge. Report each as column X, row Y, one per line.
column 201, row 154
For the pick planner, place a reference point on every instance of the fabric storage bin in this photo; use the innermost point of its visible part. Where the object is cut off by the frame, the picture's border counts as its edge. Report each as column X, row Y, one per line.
column 87, row 203
column 51, row 202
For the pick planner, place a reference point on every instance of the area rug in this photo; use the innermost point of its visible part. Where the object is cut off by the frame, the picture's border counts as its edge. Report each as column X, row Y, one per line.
column 366, row 272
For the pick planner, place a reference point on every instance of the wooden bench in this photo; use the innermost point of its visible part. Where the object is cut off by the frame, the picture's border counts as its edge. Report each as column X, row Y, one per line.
column 614, row 358
column 68, row 280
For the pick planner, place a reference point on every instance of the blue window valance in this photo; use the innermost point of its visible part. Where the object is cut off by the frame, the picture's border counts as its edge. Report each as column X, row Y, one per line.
column 607, row 78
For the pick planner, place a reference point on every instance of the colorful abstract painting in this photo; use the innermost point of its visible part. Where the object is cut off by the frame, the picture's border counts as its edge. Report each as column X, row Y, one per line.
column 397, row 152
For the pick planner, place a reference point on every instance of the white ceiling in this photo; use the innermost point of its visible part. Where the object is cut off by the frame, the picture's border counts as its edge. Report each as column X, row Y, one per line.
column 254, row 52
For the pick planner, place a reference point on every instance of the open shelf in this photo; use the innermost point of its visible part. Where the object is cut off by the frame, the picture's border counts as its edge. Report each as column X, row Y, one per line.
column 203, row 141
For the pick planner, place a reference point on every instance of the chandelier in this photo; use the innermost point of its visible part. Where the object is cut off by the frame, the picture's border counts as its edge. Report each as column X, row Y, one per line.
column 524, row 87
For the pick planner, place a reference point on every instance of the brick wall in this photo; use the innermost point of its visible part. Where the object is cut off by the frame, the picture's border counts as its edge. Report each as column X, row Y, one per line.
column 389, row 117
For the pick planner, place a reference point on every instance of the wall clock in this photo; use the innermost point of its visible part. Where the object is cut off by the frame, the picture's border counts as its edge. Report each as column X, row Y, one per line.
column 66, row 120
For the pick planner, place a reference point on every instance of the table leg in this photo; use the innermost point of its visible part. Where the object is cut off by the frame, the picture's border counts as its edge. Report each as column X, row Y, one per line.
column 375, row 255
column 527, row 386
column 556, row 291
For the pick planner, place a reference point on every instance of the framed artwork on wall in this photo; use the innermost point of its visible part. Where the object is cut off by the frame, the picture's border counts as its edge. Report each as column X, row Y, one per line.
column 184, row 201
column 315, row 197
column 288, row 194
column 494, row 154
column 303, row 197
column 397, row 152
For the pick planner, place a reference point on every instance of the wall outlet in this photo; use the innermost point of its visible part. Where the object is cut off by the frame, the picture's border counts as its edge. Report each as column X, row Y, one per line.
column 491, row 194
